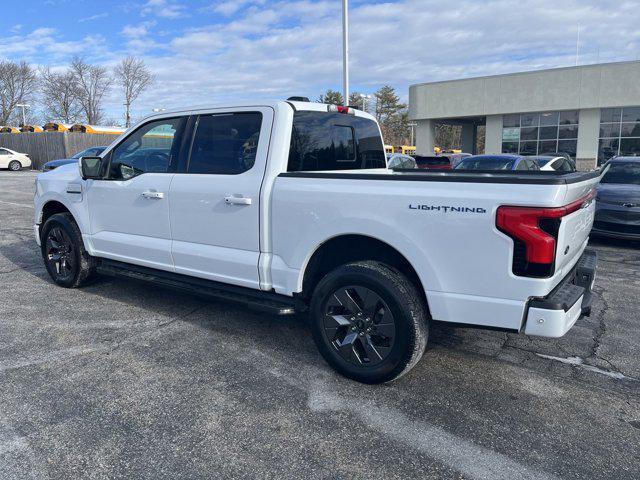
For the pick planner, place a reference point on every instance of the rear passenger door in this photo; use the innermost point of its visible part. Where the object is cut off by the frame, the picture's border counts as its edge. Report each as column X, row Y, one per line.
column 215, row 197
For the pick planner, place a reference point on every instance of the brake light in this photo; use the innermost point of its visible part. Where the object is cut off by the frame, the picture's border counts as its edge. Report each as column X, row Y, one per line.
column 341, row 109
column 534, row 231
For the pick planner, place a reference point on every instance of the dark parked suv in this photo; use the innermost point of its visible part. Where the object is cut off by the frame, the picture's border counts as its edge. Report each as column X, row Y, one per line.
column 618, row 201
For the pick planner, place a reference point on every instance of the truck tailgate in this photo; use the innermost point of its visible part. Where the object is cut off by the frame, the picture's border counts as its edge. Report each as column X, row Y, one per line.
column 574, row 228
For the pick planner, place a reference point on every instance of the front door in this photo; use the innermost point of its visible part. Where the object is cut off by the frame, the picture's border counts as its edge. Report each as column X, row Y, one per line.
column 129, row 209
column 215, row 203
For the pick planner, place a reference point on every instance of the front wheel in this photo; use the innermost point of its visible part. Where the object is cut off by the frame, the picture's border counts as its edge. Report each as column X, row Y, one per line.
column 15, row 166
column 369, row 322
column 67, row 262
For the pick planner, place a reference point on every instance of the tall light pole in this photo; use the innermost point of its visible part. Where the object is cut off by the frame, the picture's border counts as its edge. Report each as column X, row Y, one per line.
column 24, row 116
column 345, row 51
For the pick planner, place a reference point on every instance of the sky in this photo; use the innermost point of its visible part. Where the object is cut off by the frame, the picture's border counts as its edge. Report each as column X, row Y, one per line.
column 225, row 51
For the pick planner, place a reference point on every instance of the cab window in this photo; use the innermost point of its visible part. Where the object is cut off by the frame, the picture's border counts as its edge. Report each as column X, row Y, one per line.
column 225, row 144
column 334, row 141
column 152, row 148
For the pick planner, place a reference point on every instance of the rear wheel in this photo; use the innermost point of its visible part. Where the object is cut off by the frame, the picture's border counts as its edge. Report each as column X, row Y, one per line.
column 15, row 165
column 369, row 322
column 65, row 258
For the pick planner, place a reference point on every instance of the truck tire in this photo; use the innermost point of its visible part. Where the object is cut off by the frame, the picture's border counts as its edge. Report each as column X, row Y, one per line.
column 63, row 252
column 15, row 166
column 369, row 321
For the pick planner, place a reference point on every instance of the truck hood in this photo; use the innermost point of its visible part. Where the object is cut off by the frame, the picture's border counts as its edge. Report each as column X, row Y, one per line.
column 69, row 171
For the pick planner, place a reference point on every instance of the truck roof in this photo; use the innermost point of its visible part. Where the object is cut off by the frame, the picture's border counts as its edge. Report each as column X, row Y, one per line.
column 304, row 106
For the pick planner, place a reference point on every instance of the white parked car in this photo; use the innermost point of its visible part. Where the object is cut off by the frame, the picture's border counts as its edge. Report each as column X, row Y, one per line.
column 553, row 163
column 290, row 207
column 12, row 160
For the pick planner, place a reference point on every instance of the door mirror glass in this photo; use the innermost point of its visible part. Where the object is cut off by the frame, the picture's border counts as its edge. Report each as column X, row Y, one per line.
column 91, row 167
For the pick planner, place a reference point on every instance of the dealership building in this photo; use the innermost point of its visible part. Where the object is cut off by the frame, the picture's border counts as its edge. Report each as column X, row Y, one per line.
column 591, row 112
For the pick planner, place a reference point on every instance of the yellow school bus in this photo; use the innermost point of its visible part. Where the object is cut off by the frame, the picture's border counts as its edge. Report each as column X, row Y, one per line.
column 9, row 129
column 389, row 149
column 31, row 128
column 408, row 150
column 56, row 127
column 81, row 127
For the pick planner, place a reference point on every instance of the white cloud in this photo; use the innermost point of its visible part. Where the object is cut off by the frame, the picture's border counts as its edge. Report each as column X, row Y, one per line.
column 90, row 18
column 139, row 30
column 163, row 8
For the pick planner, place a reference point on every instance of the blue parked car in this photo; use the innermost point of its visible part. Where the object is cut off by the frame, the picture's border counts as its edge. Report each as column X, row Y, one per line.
column 89, row 152
column 497, row 162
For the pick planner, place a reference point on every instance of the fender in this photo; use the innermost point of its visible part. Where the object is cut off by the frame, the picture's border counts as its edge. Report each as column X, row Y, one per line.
column 385, row 234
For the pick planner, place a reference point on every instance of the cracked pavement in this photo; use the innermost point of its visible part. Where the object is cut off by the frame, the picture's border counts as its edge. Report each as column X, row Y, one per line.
column 125, row 380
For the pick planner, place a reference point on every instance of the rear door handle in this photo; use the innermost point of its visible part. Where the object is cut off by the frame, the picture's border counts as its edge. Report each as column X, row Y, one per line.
column 153, row 195
column 237, row 200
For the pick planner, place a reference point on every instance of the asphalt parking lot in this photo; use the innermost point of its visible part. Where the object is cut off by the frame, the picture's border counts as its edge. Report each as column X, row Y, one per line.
column 125, row 380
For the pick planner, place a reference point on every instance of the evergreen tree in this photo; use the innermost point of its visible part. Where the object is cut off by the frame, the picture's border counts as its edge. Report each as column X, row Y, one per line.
column 331, row 97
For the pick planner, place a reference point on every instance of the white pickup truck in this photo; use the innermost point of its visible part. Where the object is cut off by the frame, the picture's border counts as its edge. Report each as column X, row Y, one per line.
column 290, row 207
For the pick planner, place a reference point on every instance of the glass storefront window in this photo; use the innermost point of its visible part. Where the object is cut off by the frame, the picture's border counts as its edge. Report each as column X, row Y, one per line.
column 631, row 114
column 568, row 131
column 549, row 118
column 540, row 133
column 568, row 146
column 569, row 117
column 529, row 120
column 529, row 133
column 509, row 147
column 549, row 133
column 630, row 130
column 619, row 133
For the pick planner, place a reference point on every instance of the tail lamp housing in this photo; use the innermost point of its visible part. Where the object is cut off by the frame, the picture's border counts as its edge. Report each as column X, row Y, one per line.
column 534, row 231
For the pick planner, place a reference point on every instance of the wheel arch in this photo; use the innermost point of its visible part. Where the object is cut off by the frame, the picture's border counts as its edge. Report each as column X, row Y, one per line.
column 50, row 208
column 344, row 248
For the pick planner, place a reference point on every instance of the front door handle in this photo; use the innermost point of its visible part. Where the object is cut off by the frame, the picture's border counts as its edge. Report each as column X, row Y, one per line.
column 237, row 200
column 153, row 195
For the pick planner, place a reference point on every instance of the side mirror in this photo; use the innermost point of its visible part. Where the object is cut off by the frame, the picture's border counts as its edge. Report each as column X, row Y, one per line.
column 91, row 167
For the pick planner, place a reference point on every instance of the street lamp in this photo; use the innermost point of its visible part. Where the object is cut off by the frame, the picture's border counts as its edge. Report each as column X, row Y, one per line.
column 345, row 51
column 156, row 110
column 24, row 116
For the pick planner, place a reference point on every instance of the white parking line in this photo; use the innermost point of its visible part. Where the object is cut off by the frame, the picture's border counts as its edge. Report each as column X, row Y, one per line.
column 457, row 453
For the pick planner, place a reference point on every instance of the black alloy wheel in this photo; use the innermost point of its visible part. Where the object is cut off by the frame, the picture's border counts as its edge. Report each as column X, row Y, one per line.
column 60, row 254
column 369, row 321
column 359, row 325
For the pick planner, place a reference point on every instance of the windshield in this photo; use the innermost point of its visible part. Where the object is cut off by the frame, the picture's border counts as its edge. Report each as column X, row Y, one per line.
column 628, row 173
column 542, row 161
column 485, row 164
column 89, row 152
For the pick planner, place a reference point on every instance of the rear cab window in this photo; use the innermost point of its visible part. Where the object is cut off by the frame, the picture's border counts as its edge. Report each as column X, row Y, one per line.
column 334, row 141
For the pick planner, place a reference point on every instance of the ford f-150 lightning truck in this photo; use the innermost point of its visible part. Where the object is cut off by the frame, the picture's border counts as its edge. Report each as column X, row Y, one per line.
column 289, row 207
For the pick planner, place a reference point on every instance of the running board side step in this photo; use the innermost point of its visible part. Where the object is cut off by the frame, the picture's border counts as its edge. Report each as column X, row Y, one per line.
column 267, row 302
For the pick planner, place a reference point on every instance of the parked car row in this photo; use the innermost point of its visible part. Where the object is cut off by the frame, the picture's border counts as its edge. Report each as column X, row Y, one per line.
column 15, row 161
column 466, row 161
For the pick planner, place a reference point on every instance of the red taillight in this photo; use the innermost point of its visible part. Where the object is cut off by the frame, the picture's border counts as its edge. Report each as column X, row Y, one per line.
column 533, row 228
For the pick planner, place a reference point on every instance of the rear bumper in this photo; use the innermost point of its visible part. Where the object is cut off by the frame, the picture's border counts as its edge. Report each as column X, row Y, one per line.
column 555, row 314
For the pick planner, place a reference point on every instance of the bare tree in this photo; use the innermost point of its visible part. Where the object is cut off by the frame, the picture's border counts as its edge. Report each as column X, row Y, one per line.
column 60, row 95
column 18, row 82
column 94, row 82
column 134, row 77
